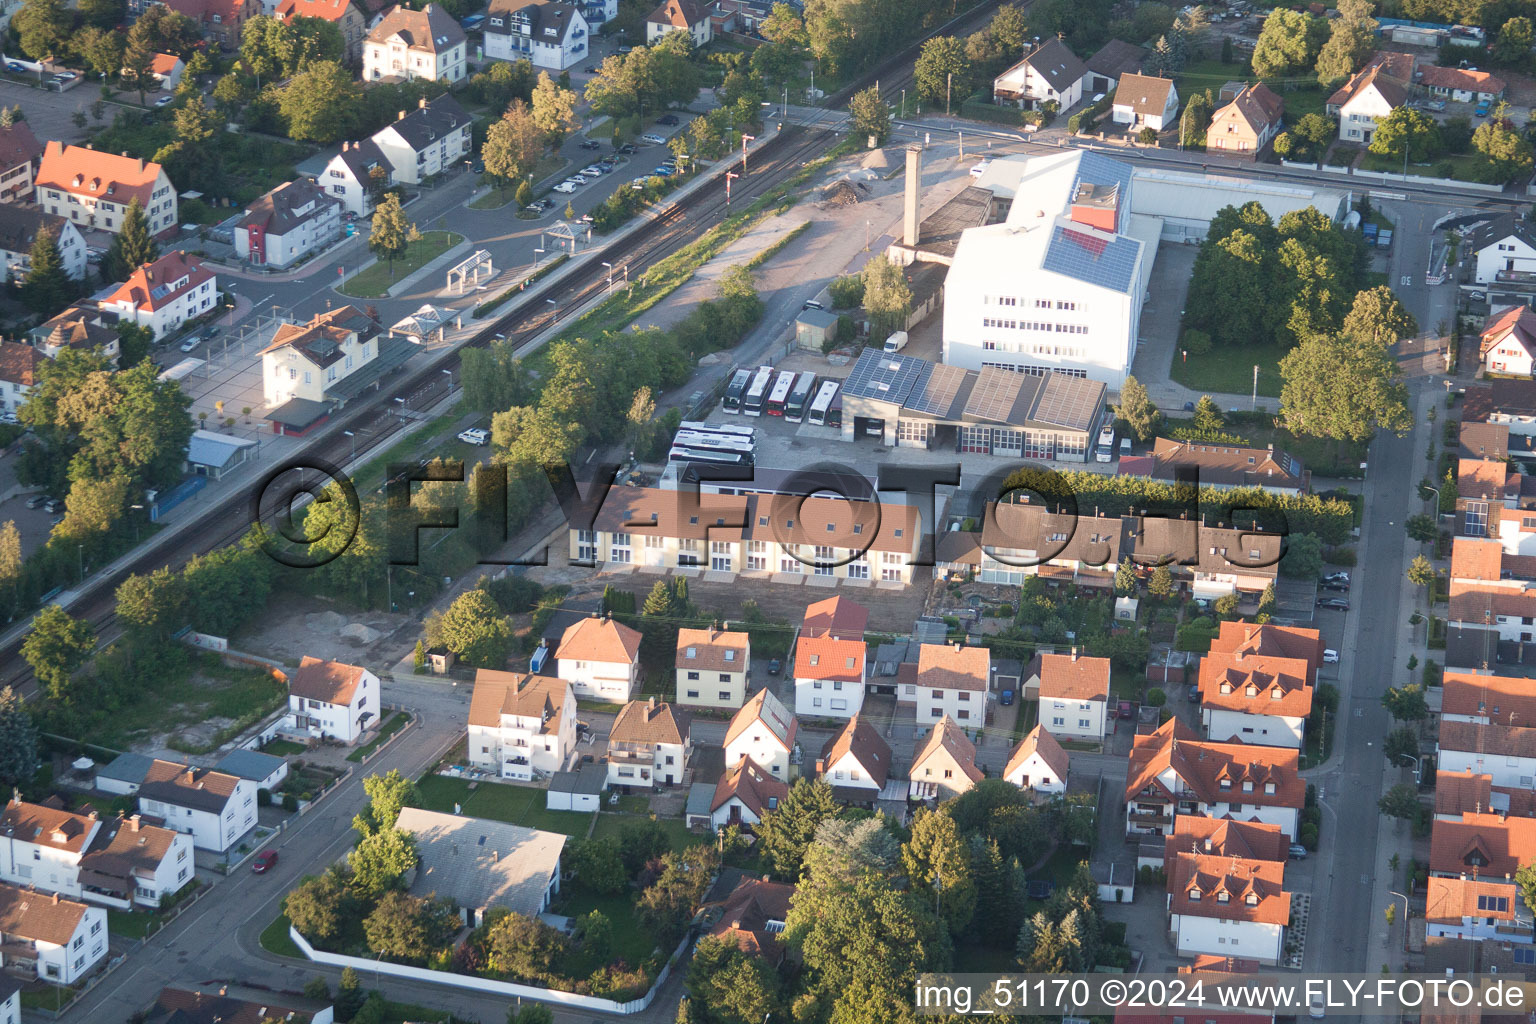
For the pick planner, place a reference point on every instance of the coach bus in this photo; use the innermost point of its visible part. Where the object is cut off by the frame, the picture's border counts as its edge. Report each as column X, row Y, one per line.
column 735, row 391
column 684, row 454
column 835, row 411
column 757, row 392
column 780, row 394
column 822, row 402
column 799, row 397
column 738, row 429
column 715, row 442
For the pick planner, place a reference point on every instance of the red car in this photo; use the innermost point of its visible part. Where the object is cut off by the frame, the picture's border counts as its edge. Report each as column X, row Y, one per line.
column 263, row 862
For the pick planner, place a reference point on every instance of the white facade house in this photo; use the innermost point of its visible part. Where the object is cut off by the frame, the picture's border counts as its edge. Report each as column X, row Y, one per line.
column 42, row 846
column 856, row 762
column 521, row 726
column 425, row 142
column 1505, row 244
column 1370, row 96
column 1059, row 285
column 713, row 666
column 1508, row 343
column 1252, row 698
column 1505, row 753
column 829, row 662
column 1228, row 906
column 165, row 294
column 130, row 863
column 1480, row 909
column 1173, row 772
column 408, row 44
column 648, row 745
column 1050, row 74
column 1039, row 764
column 763, row 731
column 215, row 809
column 19, row 226
column 689, row 16
column 547, row 33
column 307, row 360
column 600, row 659
column 287, row 224
column 331, row 701
column 1074, row 696
column 356, row 174
column 744, row 794
column 19, row 363
column 94, row 189
column 61, row 939
column 951, row 681
column 1145, row 101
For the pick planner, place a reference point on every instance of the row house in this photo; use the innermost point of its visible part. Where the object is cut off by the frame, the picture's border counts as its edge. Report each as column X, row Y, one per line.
column 1506, row 613
column 131, row 863
column 215, row 809
column 1173, row 772
column 163, row 295
column 423, row 143
column 600, row 659
column 856, row 763
column 1257, row 683
column 546, row 33
column 60, row 940
column 20, row 156
column 1227, row 467
column 408, row 44
column 1491, row 846
column 1074, row 696
column 763, row 535
column 1228, row 904
column 331, row 701
column 1039, row 764
column 288, row 223
column 829, row 663
column 93, row 189
column 648, row 745
column 19, row 228
column 713, row 666
column 945, row 765
column 1478, row 699
column 764, row 732
column 1458, row 793
column 1505, row 753
column 744, row 794
column 521, row 726
column 1487, row 562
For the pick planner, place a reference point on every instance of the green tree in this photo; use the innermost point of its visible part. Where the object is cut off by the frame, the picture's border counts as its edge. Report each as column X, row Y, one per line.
column 387, row 794
column 104, row 15
column 1351, row 39
column 474, row 629
column 56, row 647
column 1512, row 46
column 43, row 26
column 1401, row 743
column 554, row 109
column 1506, row 153
column 138, row 60
column 938, row 864
column 524, row 193
column 387, row 238
column 102, row 50
column 408, row 928
column 1125, row 578
column 1401, row 801
column 319, row 907
column 1195, row 120
column 152, row 607
column 1208, row 418
column 1420, row 571
column 1406, row 130
column 667, row 904
column 1316, row 130
column 133, row 245
column 1406, row 703
column 868, row 115
column 731, row 986
column 531, row 1013
column 321, row 104
column 783, row 25
column 942, row 71
column 1288, row 43
column 18, row 741
column 1343, row 389
column 349, row 995
column 12, row 565
column 786, row 832
column 1379, row 317
column 47, row 288
column 1137, row 411
column 1421, row 528
column 887, row 297
column 1303, row 558
column 1525, row 878
column 526, row 948
column 513, row 144
column 1161, row 583
column 381, row 860
column 133, row 343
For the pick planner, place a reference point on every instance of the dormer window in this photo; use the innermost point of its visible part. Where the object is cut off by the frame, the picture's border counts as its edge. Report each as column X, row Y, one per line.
column 1252, row 691
column 1252, row 899
column 1275, row 694
column 1247, row 786
column 1223, row 897
column 693, row 652
column 1226, row 687
column 1194, row 894
column 1226, row 783
column 1269, row 787
column 815, row 659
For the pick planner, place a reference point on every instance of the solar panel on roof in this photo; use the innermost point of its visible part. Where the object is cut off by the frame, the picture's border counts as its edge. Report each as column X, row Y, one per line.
column 1067, row 402
column 995, row 395
column 889, row 379
column 1108, row 265
column 937, row 394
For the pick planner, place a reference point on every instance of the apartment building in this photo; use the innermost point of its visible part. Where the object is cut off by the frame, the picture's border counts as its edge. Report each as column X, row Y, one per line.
column 1174, row 772
column 713, row 666
column 93, row 189
column 521, row 726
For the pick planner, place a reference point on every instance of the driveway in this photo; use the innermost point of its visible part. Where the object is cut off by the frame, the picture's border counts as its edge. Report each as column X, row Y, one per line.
column 1159, row 329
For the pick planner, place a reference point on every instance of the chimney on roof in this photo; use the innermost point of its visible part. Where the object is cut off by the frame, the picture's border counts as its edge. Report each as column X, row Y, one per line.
column 401, row 117
column 55, row 899
column 133, row 823
column 422, row 103
column 1074, row 653
column 911, row 225
column 223, row 989
column 651, row 703
column 125, row 152
column 821, row 766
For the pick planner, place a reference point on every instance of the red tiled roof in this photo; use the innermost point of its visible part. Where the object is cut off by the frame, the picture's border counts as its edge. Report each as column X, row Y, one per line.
column 41, row 917
column 1254, row 889
column 1475, row 602
column 1484, row 845
column 750, row 784
column 1074, row 677
column 1256, row 685
column 838, row 617
column 1239, row 637
column 828, row 658
column 328, row 681
column 1389, row 72
column 164, row 63
column 1482, row 478
column 1203, row 766
column 1476, row 559
column 19, row 363
column 513, row 693
column 954, row 667
column 599, row 639
column 680, row 14
column 1503, row 700
column 90, row 172
column 1518, row 322
column 867, row 746
column 747, row 912
column 712, row 650
column 1218, row 965
column 19, row 146
column 1226, row 837
column 1449, row 900
column 1037, row 740
column 947, row 737
column 214, row 12
column 326, row 10
column 52, row 827
column 645, row 721
column 143, row 287
column 1432, row 76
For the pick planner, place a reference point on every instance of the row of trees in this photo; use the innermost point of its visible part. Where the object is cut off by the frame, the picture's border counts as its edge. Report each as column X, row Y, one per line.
column 1503, row 151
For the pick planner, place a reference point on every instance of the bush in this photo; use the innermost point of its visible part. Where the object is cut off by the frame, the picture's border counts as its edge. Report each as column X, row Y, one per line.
column 846, row 329
column 1156, row 698
column 847, row 292
column 1308, row 836
column 290, row 802
column 263, row 797
column 1196, row 343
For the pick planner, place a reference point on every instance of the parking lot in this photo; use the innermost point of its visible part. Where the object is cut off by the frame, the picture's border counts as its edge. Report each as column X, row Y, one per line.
column 49, row 113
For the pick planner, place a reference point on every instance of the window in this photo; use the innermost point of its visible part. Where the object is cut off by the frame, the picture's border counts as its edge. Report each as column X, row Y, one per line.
column 693, row 694
column 693, row 677
column 725, row 694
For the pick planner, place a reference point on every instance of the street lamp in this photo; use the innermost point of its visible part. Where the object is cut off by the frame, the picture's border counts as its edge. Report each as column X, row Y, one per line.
column 554, row 307
column 537, row 255
column 1415, row 761
column 402, row 407
column 1405, row 916
column 903, row 104
column 136, row 508
column 81, row 549
column 949, row 84
column 610, row 276
column 744, row 140
column 353, row 436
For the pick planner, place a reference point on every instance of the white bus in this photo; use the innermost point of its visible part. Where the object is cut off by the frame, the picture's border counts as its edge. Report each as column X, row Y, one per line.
column 735, row 391
column 780, row 395
column 695, row 455
column 757, row 392
column 718, row 442
column 800, row 397
column 740, row 429
column 822, row 401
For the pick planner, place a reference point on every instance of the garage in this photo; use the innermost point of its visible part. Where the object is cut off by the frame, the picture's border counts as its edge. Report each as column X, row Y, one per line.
column 868, row 426
column 579, row 790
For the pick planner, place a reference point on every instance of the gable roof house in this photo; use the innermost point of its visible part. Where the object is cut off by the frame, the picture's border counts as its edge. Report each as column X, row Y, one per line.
column 1228, row 905
column 1256, row 698
column 1174, row 772
column 20, row 155
column 222, row 1006
column 324, row 363
column 600, row 658
column 132, row 862
column 830, row 659
column 945, row 765
column 1460, row 85
column 1145, row 101
column 165, row 294
column 1481, row 846
column 166, row 69
column 713, row 666
column 346, row 15
column 215, row 809
column 219, row 21
column 1506, row 251
column 425, row 142
column 648, row 745
column 689, row 16
column 1508, row 343
column 408, row 44
column 1248, row 123
column 94, row 189
column 481, row 864
column 752, row 917
column 19, row 227
column 1505, row 753
column 1049, row 74
column 950, row 681
column 1225, row 466
column 856, row 763
column 1074, row 696
column 356, row 174
column 44, row 845
column 289, row 222
column 744, row 794
column 1226, row 837
column 1458, row 793
column 764, row 731
column 18, row 375
column 1019, row 539
column 1039, row 764
column 61, row 939
column 1370, row 95
column 547, row 33
column 521, row 725
column 1474, row 908
column 329, row 700
column 1114, row 59
column 266, row 770
column 1212, row 560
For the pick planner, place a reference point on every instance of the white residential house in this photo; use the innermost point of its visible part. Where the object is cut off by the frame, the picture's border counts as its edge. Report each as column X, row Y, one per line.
column 215, row 809
column 764, row 731
column 547, row 33
column 166, row 69
column 1039, row 764
column 951, row 681
column 1508, row 344
column 1074, row 696
column 1370, row 97
column 165, row 294
column 19, row 226
column 1255, row 698
column 744, row 794
column 944, row 765
column 131, row 862
column 1505, row 753
column 18, row 375
column 1145, row 101
column 1480, row 909
column 1506, row 249
column 331, row 701
column 1228, row 906
column 713, row 666
column 307, row 360
column 856, row 762
column 94, row 189
column 689, row 16
column 60, row 939
column 43, row 846
column 1173, row 772
column 425, row 142
column 600, row 658
column 356, row 174
column 830, row 658
column 287, row 224
column 1052, row 73
column 408, row 44
column 521, row 726
column 649, row 744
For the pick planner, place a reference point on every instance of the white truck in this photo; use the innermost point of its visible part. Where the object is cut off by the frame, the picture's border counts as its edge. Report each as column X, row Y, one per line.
column 896, row 342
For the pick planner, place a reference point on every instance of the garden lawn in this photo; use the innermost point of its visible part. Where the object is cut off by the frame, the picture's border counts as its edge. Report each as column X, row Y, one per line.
column 283, row 748
column 1463, row 166
column 45, row 997
column 207, row 690
column 677, row 830
column 137, row 925
column 393, row 724
column 275, row 939
column 1201, row 75
column 376, row 281
column 516, row 805
column 631, row 941
column 1230, row 372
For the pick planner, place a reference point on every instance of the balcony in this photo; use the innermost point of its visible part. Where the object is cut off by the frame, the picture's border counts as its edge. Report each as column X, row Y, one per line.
column 645, row 757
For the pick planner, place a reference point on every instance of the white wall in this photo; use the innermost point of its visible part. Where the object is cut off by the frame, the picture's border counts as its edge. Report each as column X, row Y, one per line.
column 41, row 865
column 1269, row 730
column 1073, row 719
column 1358, row 117
column 1497, row 256
column 825, row 698
column 173, row 872
column 847, row 771
column 1042, row 777
column 1247, row 939
column 600, row 680
column 1285, row 817
column 339, row 721
column 967, row 707
column 1513, row 772
column 86, row 948
column 210, row 831
column 706, row 690
column 440, row 154
column 762, row 746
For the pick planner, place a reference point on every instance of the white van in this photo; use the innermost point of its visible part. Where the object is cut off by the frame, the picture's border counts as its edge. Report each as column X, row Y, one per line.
column 896, row 342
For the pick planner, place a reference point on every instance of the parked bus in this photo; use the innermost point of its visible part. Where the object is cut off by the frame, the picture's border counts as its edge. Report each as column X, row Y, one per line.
column 799, row 397
column 780, row 394
column 835, row 411
column 722, row 458
column 757, row 392
column 717, row 442
column 739, row 429
column 822, row 402
column 735, row 391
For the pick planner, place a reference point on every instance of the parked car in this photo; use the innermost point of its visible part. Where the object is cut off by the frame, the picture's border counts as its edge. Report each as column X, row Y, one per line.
column 1189, row 406
column 1330, row 656
column 638, row 184
column 1336, row 576
column 626, row 149
column 70, row 76
column 568, row 186
column 36, row 500
column 263, row 862
column 53, row 506
column 652, row 139
column 1337, row 604
column 1341, row 585
column 773, row 667
column 190, row 343
column 1298, row 852
column 811, row 304
column 1194, row 693
column 670, row 120
column 12, row 65
column 165, row 101
column 1482, row 109
column 475, row 435
column 1006, row 698
column 594, row 170
column 1124, row 710
column 590, row 144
